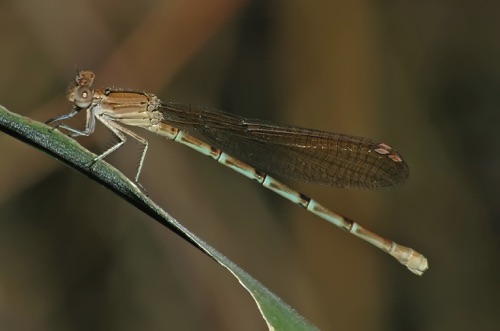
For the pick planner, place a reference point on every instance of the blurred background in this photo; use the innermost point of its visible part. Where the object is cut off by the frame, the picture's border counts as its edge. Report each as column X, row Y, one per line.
column 422, row 76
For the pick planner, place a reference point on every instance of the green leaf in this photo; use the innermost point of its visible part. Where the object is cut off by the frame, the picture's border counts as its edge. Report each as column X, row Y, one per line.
column 277, row 314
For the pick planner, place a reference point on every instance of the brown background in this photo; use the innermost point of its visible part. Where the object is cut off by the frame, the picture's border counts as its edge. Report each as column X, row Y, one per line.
column 422, row 76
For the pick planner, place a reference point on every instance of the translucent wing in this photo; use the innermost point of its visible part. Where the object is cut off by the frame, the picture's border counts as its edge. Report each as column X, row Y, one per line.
column 296, row 153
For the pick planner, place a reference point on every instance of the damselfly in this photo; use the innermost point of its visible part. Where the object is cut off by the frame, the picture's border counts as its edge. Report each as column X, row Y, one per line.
column 252, row 148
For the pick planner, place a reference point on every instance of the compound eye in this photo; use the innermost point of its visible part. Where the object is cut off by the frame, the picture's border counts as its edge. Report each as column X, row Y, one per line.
column 85, row 78
column 83, row 97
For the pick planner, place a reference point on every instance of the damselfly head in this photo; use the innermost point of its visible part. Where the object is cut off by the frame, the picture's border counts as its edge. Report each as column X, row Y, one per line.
column 80, row 92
